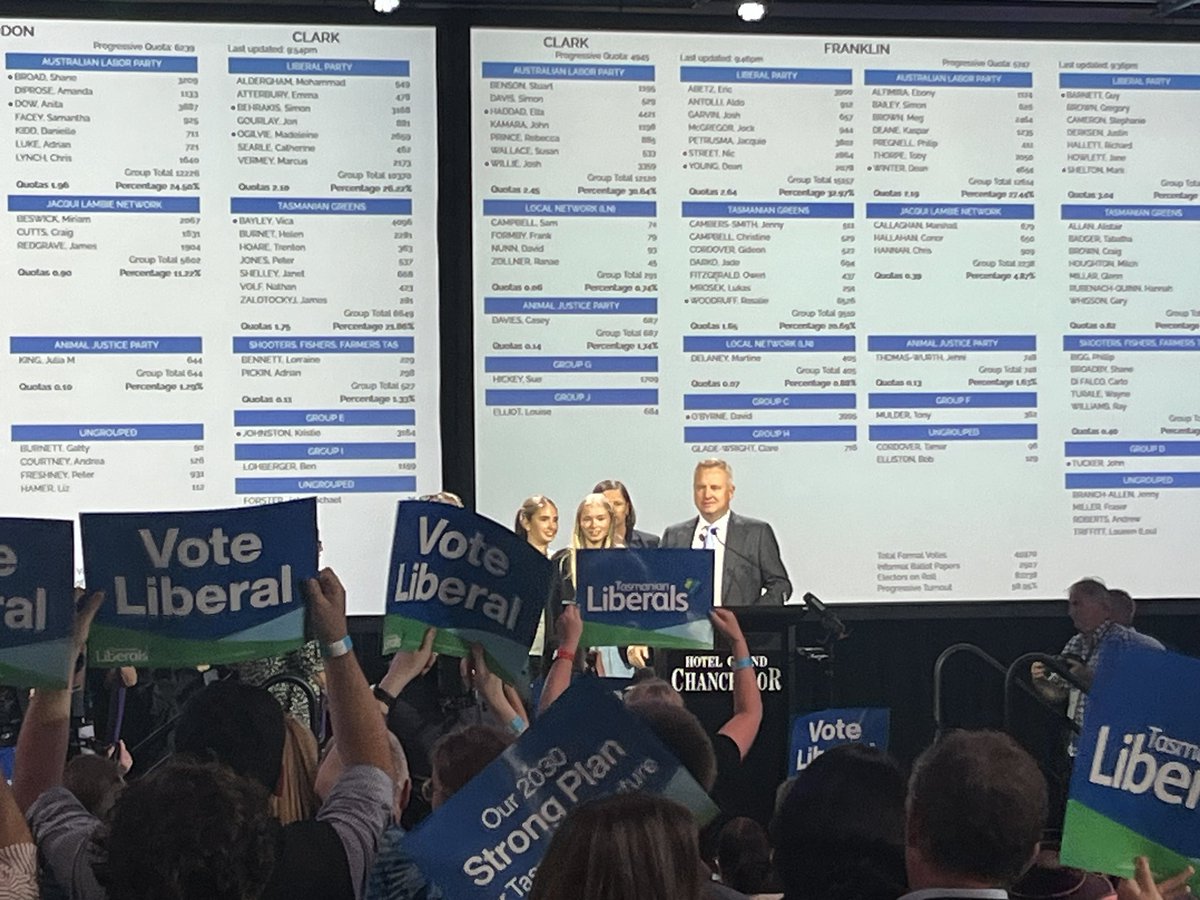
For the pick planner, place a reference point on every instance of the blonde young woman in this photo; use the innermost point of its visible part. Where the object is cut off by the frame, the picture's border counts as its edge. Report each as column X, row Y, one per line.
column 595, row 529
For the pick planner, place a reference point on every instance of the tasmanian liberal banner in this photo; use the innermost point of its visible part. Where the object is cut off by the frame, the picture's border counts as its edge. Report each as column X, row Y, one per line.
column 654, row 597
column 485, row 842
column 472, row 578
column 189, row 588
column 1136, row 785
column 36, row 601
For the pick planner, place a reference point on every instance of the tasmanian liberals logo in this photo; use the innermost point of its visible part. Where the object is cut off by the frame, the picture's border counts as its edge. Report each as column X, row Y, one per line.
column 626, row 596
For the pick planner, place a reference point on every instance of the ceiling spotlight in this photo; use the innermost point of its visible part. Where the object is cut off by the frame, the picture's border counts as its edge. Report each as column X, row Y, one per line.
column 752, row 10
column 385, row 6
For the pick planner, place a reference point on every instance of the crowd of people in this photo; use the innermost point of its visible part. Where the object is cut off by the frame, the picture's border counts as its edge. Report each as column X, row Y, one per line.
column 259, row 800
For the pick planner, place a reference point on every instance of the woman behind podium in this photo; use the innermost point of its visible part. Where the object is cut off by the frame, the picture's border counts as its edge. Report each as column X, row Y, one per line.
column 594, row 529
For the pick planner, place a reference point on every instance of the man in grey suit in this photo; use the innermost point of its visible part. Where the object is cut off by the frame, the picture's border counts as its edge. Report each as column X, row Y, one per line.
column 750, row 570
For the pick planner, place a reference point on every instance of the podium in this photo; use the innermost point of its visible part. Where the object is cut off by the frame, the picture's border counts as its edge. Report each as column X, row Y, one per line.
column 794, row 659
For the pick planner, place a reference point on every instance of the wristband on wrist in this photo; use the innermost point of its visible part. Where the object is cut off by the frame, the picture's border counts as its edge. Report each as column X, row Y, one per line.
column 743, row 662
column 383, row 697
column 568, row 655
column 337, row 648
column 517, row 725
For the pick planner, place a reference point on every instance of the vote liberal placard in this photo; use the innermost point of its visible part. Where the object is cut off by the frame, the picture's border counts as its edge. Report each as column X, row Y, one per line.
column 486, row 841
column 36, row 601
column 189, row 588
column 472, row 578
column 814, row 733
column 1135, row 790
column 655, row 597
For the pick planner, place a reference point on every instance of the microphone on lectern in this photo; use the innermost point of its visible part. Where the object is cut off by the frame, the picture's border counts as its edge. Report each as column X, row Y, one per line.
column 837, row 630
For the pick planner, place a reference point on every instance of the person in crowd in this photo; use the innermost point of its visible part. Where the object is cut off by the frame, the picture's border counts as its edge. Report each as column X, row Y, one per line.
column 623, row 847
column 195, row 827
column 744, row 857
column 537, row 520
column 594, row 529
column 395, row 875
column 296, row 799
column 624, row 515
column 1094, row 612
column 448, row 497
column 975, row 812
column 95, row 781
column 18, row 853
column 748, row 568
column 1123, row 607
column 461, row 755
column 839, row 831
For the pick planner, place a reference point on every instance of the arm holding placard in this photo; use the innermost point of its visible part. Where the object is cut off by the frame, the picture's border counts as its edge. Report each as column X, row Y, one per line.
column 405, row 667
column 492, row 690
column 361, row 734
column 1142, row 886
column 41, row 753
column 743, row 727
column 569, row 628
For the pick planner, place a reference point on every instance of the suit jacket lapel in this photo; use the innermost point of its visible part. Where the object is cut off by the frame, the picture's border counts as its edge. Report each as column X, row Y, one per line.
column 733, row 533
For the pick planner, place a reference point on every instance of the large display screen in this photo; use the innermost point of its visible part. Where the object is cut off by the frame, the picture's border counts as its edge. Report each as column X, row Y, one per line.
column 219, row 273
column 935, row 301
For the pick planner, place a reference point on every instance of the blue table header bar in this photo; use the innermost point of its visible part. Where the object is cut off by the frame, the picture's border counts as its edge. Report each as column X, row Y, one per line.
column 749, row 210
column 769, row 401
column 320, row 206
column 947, row 78
column 983, row 399
column 323, row 417
column 577, row 397
column 764, row 75
column 771, row 343
column 921, row 343
column 570, row 364
column 949, row 210
column 100, row 204
column 115, row 344
column 769, row 434
column 567, row 71
column 108, row 432
column 261, row 65
column 563, row 306
column 941, row 433
column 322, row 345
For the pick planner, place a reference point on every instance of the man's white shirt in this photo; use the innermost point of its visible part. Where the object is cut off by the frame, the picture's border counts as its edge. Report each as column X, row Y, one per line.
column 712, row 537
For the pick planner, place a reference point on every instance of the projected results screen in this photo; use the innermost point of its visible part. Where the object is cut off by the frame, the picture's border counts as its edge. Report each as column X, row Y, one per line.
column 219, row 273
column 935, row 300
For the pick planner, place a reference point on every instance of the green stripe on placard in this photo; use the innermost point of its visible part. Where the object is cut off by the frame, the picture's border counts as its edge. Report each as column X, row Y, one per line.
column 109, row 647
column 598, row 635
column 1094, row 842
column 402, row 633
column 12, row 675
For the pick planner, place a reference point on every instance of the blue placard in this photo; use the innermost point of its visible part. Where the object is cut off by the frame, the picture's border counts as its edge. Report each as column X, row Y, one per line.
column 473, row 579
column 188, row 588
column 485, row 842
column 817, row 732
column 1135, row 790
column 654, row 597
column 37, row 562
